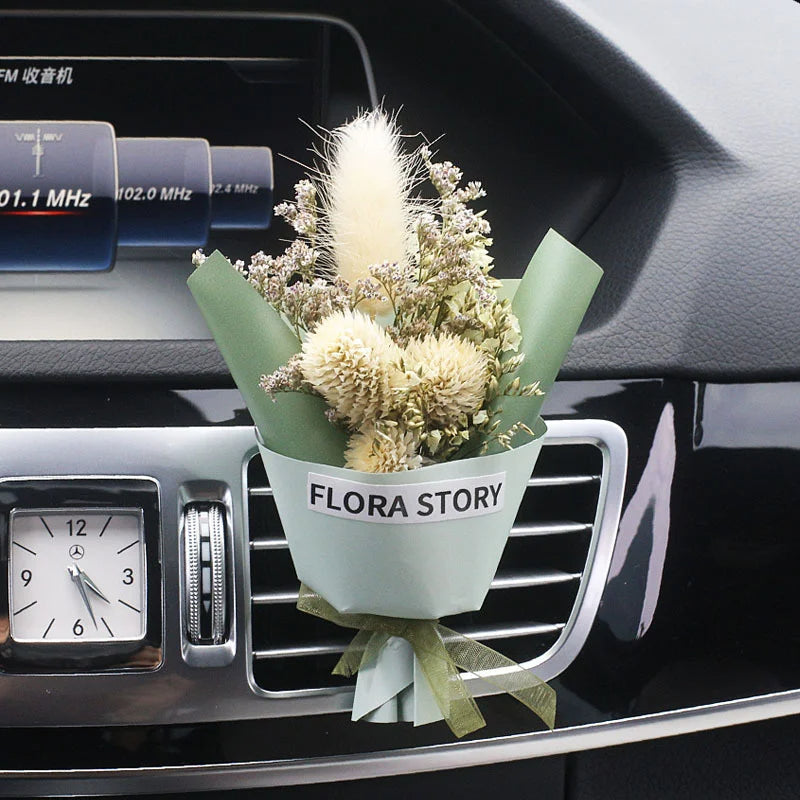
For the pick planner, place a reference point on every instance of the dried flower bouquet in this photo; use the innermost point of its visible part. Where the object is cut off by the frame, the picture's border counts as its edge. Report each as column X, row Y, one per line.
column 395, row 382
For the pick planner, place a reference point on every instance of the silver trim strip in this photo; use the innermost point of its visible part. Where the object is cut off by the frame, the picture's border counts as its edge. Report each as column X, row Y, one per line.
column 454, row 755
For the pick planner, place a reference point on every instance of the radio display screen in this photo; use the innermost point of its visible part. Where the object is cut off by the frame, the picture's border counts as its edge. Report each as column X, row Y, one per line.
column 97, row 154
column 128, row 142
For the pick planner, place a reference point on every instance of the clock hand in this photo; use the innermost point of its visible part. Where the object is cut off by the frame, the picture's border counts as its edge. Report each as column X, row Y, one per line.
column 76, row 575
column 90, row 584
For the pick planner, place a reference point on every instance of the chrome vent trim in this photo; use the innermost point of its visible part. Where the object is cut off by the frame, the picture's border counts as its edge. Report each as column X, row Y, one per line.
column 567, row 635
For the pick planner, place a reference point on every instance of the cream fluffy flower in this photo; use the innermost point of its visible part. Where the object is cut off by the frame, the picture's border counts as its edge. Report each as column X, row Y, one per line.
column 367, row 211
column 452, row 374
column 353, row 363
column 390, row 449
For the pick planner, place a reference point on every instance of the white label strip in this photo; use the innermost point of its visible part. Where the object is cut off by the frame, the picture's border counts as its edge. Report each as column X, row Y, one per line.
column 406, row 503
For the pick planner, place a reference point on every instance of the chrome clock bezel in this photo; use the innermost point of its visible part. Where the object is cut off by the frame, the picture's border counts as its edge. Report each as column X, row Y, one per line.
column 84, row 493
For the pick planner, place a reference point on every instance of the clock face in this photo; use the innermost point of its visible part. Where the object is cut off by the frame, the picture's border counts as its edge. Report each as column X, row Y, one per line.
column 77, row 575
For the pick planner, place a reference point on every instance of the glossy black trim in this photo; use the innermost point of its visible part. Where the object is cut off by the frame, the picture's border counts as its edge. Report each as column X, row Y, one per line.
column 176, row 362
column 110, row 405
column 697, row 607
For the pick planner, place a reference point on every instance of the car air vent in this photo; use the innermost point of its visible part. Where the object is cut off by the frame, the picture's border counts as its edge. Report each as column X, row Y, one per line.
column 544, row 595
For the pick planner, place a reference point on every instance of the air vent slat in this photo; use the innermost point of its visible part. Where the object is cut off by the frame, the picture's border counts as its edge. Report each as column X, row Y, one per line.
column 535, row 598
column 535, row 529
column 562, row 480
column 273, row 543
column 550, row 528
column 534, row 629
column 539, row 577
column 526, row 580
column 270, row 598
column 481, row 634
column 334, row 648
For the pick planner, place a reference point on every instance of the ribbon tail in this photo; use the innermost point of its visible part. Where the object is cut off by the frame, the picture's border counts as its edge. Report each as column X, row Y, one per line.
column 423, row 708
column 442, row 653
column 458, row 706
column 363, row 649
column 502, row 672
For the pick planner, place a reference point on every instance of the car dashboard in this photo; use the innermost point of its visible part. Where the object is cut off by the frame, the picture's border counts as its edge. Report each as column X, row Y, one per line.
column 649, row 576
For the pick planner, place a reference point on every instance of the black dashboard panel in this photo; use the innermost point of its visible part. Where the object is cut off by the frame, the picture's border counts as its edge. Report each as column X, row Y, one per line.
column 702, row 98
column 695, row 610
column 687, row 533
column 314, row 73
column 582, row 124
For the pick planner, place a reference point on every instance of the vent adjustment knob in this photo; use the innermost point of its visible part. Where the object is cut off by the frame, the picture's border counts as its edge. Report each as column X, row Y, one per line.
column 206, row 614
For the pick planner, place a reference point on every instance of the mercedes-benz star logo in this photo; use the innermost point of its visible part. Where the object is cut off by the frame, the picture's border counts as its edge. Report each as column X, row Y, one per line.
column 76, row 551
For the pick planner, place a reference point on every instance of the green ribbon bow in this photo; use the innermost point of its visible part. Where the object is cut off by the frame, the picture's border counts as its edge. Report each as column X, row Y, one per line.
column 442, row 653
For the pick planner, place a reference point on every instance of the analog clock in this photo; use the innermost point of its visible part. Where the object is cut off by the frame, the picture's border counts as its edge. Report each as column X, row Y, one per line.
column 77, row 575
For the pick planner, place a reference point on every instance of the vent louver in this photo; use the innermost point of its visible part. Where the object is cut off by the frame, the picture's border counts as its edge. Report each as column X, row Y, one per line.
column 546, row 589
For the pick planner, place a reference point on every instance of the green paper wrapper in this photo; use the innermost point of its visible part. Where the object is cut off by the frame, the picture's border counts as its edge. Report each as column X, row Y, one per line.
column 417, row 569
column 393, row 688
column 364, row 563
column 549, row 302
column 254, row 340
